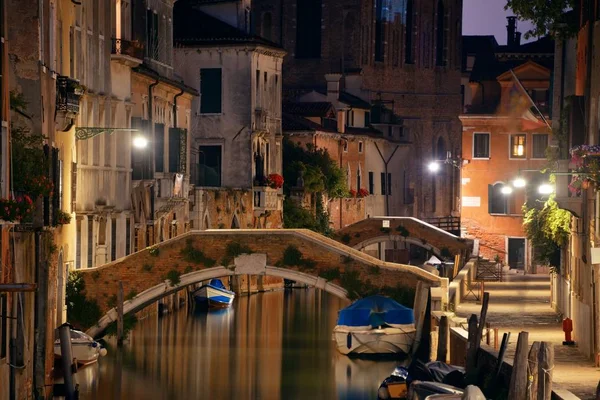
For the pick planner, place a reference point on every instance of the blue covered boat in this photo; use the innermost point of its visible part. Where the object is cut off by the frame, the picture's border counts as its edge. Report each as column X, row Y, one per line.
column 375, row 325
column 214, row 295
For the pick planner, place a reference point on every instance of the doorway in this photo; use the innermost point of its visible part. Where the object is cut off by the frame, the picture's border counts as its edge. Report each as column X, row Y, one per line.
column 516, row 253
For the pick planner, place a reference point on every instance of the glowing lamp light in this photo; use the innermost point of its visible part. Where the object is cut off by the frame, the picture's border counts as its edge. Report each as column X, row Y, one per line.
column 433, row 167
column 546, row 188
column 519, row 182
column 520, row 150
column 506, row 190
column 140, row 142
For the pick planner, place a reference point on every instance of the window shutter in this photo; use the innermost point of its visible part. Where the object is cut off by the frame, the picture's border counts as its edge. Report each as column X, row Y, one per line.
column 159, row 148
column 73, row 186
column 383, row 191
column 57, row 186
column 174, row 150
column 183, row 151
column 490, row 198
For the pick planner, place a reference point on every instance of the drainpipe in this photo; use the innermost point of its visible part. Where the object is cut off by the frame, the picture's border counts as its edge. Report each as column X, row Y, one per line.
column 387, row 189
column 175, row 107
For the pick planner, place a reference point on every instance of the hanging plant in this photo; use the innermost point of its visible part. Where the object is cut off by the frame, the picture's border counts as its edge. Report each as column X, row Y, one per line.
column 62, row 218
column 15, row 209
column 40, row 186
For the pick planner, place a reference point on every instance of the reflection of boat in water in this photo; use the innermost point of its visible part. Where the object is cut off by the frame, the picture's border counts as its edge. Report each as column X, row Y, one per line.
column 214, row 295
column 375, row 325
column 84, row 348
column 359, row 379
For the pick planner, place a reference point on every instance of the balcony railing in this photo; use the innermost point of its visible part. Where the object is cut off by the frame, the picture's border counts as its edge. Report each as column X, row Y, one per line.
column 128, row 48
column 265, row 198
column 68, row 93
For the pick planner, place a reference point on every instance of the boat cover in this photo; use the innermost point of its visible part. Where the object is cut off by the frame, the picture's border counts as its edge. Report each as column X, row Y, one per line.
column 217, row 283
column 375, row 311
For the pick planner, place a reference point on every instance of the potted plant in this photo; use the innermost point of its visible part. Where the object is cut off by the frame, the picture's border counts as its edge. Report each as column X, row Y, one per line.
column 40, row 186
column 15, row 209
column 275, row 181
column 62, row 218
column 363, row 192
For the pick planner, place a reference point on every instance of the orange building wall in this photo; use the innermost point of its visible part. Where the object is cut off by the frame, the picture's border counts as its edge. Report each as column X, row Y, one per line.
column 492, row 230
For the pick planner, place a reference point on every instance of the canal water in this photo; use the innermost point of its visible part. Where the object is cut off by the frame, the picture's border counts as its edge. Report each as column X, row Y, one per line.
column 270, row 346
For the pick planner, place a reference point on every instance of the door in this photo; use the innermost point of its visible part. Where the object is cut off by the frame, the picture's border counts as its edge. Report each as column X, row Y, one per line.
column 516, row 253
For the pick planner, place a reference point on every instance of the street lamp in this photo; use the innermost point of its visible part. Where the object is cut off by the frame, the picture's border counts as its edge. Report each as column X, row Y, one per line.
column 546, row 188
column 506, row 190
column 140, row 142
column 433, row 167
column 519, row 182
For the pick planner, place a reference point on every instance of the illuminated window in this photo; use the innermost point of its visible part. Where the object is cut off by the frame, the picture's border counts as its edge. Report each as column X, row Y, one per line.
column 517, row 146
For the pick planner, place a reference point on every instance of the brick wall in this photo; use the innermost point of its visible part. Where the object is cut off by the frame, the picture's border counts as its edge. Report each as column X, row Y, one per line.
column 102, row 282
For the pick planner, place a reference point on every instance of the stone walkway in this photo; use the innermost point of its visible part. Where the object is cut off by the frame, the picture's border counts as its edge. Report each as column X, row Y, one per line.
column 522, row 303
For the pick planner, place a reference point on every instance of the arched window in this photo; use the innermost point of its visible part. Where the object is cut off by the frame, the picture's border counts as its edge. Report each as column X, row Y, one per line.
column 440, row 49
column 379, row 30
column 440, row 149
column 497, row 201
column 266, row 29
column 408, row 34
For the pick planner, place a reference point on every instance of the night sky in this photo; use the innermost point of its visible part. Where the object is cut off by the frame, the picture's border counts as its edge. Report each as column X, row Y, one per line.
column 487, row 17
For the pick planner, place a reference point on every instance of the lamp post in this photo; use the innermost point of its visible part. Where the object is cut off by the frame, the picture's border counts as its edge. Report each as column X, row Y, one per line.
column 435, row 166
column 544, row 188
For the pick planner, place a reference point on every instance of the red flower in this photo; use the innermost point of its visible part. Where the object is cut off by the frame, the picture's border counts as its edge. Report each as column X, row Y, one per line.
column 363, row 192
column 275, row 181
column 353, row 193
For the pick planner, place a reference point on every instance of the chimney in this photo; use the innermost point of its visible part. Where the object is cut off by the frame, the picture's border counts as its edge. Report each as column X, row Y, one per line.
column 511, row 28
column 341, row 121
column 518, row 39
column 333, row 86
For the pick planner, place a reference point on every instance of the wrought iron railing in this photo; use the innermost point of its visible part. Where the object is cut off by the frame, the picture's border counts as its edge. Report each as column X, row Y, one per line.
column 449, row 224
column 128, row 48
column 68, row 93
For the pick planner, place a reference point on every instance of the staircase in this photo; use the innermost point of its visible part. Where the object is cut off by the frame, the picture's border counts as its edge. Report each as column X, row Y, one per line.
column 488, row 270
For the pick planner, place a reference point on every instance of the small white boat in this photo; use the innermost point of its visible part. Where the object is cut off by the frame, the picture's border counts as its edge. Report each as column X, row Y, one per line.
column 375, row 325
column 84, row 348
column 214, row 295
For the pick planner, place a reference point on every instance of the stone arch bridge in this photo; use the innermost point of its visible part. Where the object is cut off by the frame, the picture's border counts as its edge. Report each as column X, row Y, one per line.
column 299, row 255
column 411, row 230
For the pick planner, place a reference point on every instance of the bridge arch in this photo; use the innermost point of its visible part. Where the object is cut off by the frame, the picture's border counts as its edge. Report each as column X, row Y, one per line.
column 398, row 238
column 164, row 289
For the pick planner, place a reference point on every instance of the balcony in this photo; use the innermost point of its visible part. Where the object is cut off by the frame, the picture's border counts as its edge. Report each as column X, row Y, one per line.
column 265, row 199
column 130, row 53
column 68, row 93
column 565, row 198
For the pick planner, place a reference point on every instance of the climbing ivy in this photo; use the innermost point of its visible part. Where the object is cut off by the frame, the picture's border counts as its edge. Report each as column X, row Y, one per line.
column 82, row 313
column 548, row 229
column 233, row 250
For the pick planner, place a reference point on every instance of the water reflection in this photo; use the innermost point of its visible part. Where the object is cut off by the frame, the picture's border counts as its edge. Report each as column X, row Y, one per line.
column 268, row 346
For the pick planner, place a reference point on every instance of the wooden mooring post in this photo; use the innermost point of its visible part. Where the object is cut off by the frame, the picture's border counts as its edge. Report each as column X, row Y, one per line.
column 472, row 348
column 518, row 379
column 545, row 367
column 532, row 372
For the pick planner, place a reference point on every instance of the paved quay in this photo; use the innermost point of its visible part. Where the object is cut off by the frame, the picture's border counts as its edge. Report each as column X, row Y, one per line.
column 522, row 303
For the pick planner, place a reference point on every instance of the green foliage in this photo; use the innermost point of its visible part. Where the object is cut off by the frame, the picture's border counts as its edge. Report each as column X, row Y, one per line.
column 358, row 288
column 347, row 259
column 193, row 255
column 147, row 267
column 129, row 322
column 357, row 235
column 18, row 102
column 548, row 229
column 319, row 171
column 293, row 257
column 547, row 16
column 374, row 270
column 96, row 276
column 330, row 274
column 233, row 250
column 131, row 295
column 174, row 277
column 112, row 301
column 188, row 269
column 346, row 238
column 296, row 217
column 82, row 313
column 154, row 251
column 385, row 230
column 27, row 156
column 402, row 231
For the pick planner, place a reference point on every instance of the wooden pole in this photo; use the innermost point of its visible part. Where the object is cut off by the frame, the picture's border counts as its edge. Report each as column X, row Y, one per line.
column 488, row 336
column 503, row 346
column 532, row 372
column 482, row 317
column 120, row 314
column 420, row 305
column 545, row 367
column 443, row 333
column 472, row 347
column 518, row 379
column 598, row 391
column 495, row 338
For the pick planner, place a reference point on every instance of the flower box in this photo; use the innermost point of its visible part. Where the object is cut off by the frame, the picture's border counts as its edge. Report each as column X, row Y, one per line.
column 12, row 210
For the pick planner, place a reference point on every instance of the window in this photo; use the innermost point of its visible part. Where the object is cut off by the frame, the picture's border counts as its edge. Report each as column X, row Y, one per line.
column 210, row 91
column 371, row 183
column 78, row 245
column 389, row 183
column 408, row 50
column 159, row 147
column 257, row 80
column 497, row 201
column 481, row 145
column 308, row 28
column 379, row 31
column 209, row 166
column 360, row 147
column 113, row 239
column 90, row 258
column 152, row 34
column 358, row 182
column 540, row 143
column 177, row 146
column 383, row 191
column 517, row 146
column 127, row 236
column 265, row 81
column 267, row 26
column 440, row 45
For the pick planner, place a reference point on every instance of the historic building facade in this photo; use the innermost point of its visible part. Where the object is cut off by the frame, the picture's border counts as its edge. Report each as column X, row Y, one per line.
column 403, row 54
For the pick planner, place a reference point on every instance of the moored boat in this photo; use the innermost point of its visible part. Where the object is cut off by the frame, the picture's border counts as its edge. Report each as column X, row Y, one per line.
column 375, row 325
column 83, row 347
column 214, row 295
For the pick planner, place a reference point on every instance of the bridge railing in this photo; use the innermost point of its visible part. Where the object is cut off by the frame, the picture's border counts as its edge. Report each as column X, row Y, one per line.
column 449, row 224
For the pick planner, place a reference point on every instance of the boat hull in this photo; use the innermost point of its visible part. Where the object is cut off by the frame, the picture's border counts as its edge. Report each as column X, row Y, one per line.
column 352, row 341
column 213, row 297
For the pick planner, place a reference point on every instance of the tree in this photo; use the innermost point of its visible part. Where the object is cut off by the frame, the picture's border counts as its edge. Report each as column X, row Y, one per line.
column 548, row 16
